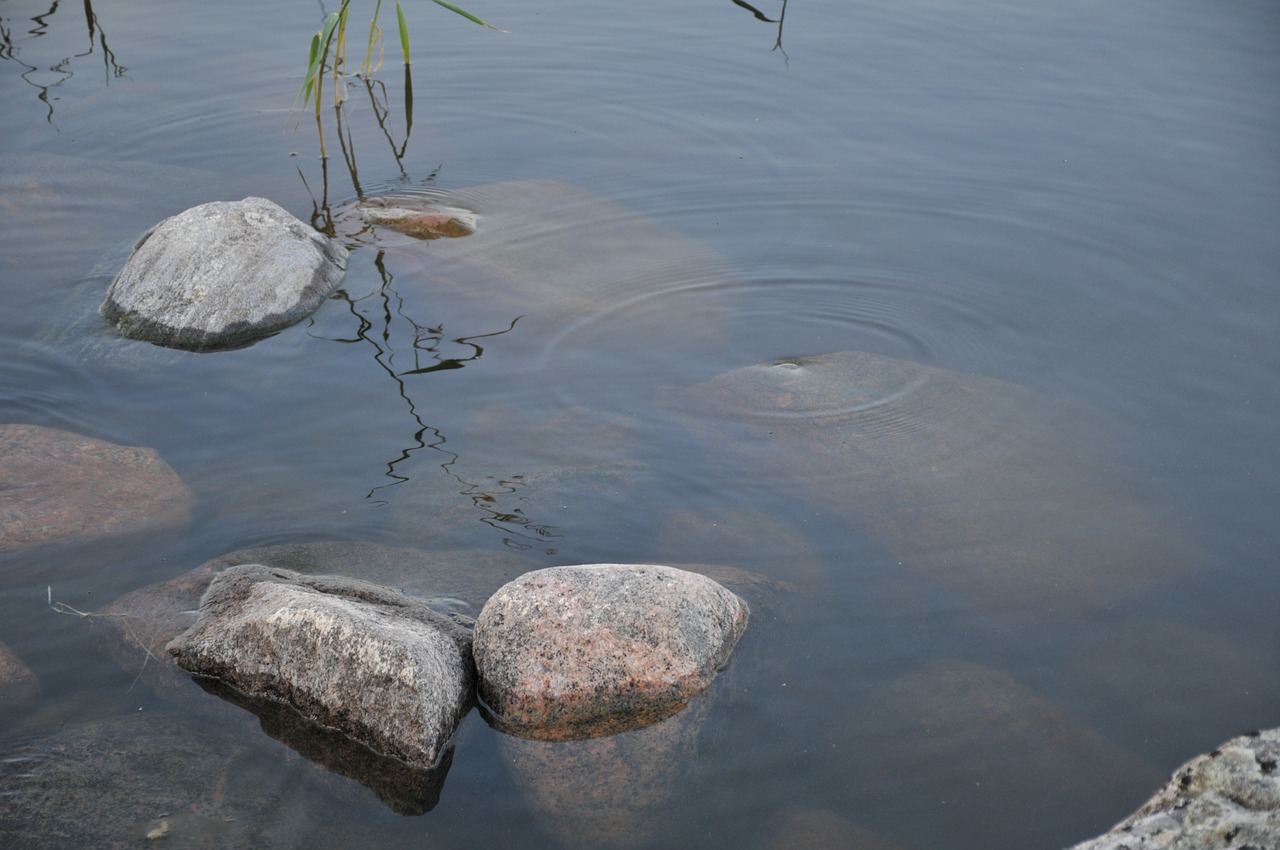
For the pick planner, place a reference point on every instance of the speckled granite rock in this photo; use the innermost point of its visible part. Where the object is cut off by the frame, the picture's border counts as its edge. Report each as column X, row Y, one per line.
column 1227, row 798
column 138, row 625
column 59, row 487
column 222, row 275
column 380, row 667
column 576, row 652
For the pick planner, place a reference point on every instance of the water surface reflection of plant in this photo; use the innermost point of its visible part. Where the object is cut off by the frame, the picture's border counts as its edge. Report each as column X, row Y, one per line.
column 61, row 70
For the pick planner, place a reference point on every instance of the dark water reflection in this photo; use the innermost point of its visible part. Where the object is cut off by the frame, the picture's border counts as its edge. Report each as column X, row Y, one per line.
column 1078, row 199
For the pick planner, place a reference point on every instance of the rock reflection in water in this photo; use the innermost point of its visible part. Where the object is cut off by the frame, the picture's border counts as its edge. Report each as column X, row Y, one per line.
column 404, row 789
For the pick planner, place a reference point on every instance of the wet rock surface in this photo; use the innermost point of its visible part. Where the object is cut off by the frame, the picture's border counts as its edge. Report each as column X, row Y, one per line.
column 380, row 667
column 59, row 487
column 574, row 652
column 1229, row 797
column 223, row 274
column 417, row 218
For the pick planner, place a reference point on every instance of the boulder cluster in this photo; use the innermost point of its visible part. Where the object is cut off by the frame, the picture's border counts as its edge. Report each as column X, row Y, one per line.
column 563, row 653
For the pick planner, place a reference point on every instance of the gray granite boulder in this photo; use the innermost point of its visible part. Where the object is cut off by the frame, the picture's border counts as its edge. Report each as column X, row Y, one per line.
column 574, row 652
column 223, row 274
column 60, row 487
column 136, row 627
column 376, row 665
column 1227, row 798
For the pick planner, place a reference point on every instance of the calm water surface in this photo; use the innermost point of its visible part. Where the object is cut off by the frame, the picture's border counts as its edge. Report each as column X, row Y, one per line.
column 1080, row 198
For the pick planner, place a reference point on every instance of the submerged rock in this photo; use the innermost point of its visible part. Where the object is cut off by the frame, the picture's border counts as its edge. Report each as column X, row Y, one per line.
column 18, row 685
column 995, row 492
column 380, row 667
column 413, row 217
column 127, row 781
column 980, row 743
column 805, row 829
column 575, row 652
column 1227, row 798
column 222, row 275
column 59, row 487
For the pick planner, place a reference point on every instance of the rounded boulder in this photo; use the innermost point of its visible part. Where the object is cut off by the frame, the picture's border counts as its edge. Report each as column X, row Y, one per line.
column 222, row 275
column 567, row 653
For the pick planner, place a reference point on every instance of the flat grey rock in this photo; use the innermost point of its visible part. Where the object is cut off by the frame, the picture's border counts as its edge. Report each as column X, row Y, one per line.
column 378, row 666
column 582, row 651
column 1227, row 798
column 222, row 275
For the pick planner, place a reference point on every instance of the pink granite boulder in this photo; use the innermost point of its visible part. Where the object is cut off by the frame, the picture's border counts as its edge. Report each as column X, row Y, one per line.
column 575, row 652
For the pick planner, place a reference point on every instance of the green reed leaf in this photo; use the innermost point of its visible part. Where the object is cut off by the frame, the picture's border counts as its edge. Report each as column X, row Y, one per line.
column 404, row 32
column 464, row 13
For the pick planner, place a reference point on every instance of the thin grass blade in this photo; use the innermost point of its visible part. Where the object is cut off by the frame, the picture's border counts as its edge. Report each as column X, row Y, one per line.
column 464, row 13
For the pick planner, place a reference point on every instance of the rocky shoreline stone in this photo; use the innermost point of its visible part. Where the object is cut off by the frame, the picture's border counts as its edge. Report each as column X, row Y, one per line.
column 1229, row 797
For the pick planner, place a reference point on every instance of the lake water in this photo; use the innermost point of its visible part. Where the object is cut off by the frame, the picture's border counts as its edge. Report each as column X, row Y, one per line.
column 1077, row 198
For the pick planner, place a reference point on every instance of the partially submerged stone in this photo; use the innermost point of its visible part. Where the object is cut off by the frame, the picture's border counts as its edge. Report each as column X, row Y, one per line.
column 576, row 652
column 137, row 626
column 382, row 668
column 59, row 487
column 222, row 275
column 413, row 217
column 548, row 250
column 1229, row 797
